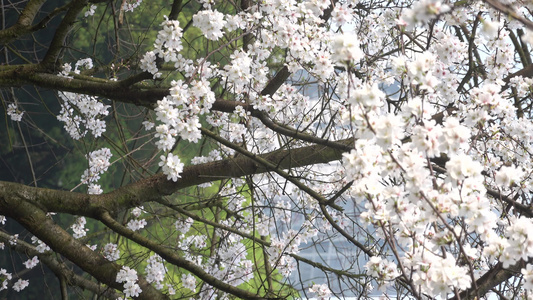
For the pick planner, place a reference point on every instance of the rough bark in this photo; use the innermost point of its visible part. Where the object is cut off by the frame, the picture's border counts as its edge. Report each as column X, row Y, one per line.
column 36, row 221
column 154, row 187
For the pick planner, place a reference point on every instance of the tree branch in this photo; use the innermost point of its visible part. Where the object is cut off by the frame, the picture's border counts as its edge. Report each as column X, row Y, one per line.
column 23, row 25
column 60, row 269
column 495, row 276
column 43, row 227
column 58, row 41
column 154, row 187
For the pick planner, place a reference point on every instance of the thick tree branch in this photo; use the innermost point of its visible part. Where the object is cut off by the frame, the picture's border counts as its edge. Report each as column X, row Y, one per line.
column 176, row 9
column 524, row 209
column 60, row 269
column 23, row 25
column 123, row 91
column 152, row 188
column 43, row 227
column 58, row 41
column 510, row 11
column 495, row 276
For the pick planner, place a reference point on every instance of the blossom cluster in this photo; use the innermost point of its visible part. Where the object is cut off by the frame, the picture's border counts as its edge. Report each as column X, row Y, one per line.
column 30, row 263
column 13, row 240
column 381, row 269
column 189, row 282
column 346, row 49
column 289, row 243
column 14, row 112
column 4, row 277
column 171, row 166
column 321, row 290
column 179, row 112
column 41, row 246
column 155, row 271
column 130, row 5
column 183, row 226
column 98, row 164
column 81, row 113
column 90, row 11
column 111, row 252
column 20, row 285
column 136, row 223
column 210, row 22
column 79, row 228
column 166, row 46
column 129, row 278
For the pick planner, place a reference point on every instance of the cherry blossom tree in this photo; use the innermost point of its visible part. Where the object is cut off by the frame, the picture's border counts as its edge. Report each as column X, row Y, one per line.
column 227, row 144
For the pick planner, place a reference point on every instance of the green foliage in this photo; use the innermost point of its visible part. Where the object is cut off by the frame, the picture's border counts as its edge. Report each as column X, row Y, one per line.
column 116, row 41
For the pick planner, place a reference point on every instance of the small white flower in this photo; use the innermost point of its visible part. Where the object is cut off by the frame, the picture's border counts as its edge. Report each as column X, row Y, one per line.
column 79, row 228
column 5, row 277
column 506, row 176
column 155, row 270
column 98, row 164
column 20, row 285
column 126, row 274
column 368, row 96
column 189, row 282
column 528, row 277
column 148, row 64
column 136, row 224
column 129, row 277
column 527, row 37
column 321, row 290
column 30, row 263
column 82, row 113
column 490, row 28
column 346, row 49
column 137, row 211
column 130, row 5
column 13, row 239
column 41, row 246
column 14, row 113
column 111, row 252
column 171, row 290
column 148, row 125
column 172, row 166
column 86, row 63
column 91, row 11
column 92, row 247
column 94, row 189
column 183, row 226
